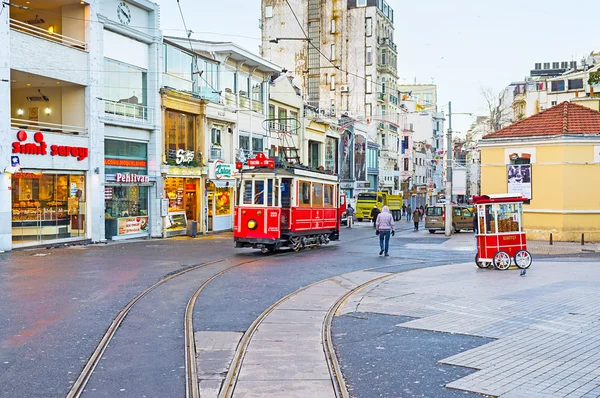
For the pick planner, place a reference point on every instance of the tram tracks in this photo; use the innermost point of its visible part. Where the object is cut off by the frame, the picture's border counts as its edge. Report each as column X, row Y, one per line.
column 337, row 378
column 79, row 385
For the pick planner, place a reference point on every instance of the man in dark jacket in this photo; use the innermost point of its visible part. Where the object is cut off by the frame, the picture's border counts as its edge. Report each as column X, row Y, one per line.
column 374, row 213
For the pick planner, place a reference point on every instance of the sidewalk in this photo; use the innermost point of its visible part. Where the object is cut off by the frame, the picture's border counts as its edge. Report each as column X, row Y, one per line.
column 545, row 324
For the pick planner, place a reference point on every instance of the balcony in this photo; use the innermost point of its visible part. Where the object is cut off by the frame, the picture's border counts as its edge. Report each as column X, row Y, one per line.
column 33, row 126
column 128, row 112
column 45, row 34
column 386, row 68
column 215, row 152
column 386, row 42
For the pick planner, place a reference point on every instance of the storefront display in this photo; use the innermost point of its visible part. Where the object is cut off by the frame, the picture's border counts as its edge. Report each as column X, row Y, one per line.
column 126, row 210
column 183, row 203
column 219, row 202
column 47, row 207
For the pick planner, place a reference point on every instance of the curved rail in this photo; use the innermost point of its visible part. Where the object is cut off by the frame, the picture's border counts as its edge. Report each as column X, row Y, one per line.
column 89, row 367
column 334, row 369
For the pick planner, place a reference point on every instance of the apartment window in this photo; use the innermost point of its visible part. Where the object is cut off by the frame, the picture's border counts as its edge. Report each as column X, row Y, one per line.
column 575, row 84
column 428, row 98
column 269, row 12
column 538, row 66
column 546, row 65
column 382, row 140
column 383, row 85
column 243, row 86
column 125, row 83
column 553, row 103
column 383, row 56
column 368, row 84
column 333, row 52
column 215, row 135
column 294, row 122
column 555, row 65
column 369, row 55
column 406, row 164
column 179, row 132
column 333, row 26
column 557, row 85
column 361, row 3
column 368, row 110
column 257, row 144
column 282, row 116
column 271, row 116
column 332, row 108
column 369, row 26
column 573, row 64
column 332, row 82
column 564, row 65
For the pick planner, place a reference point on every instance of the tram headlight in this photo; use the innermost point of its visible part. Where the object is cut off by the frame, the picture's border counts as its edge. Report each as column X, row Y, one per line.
column 252, row 224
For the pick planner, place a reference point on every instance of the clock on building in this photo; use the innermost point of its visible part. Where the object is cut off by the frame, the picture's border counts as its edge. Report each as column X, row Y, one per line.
column 124, row 13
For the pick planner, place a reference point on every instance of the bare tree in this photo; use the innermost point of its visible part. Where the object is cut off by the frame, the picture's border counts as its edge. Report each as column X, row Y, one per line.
column 498, row 113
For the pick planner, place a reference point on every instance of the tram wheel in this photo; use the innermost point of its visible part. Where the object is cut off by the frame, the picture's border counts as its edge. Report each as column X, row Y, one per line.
column 523, row 259
column 296, row 242
column 480, row 264
column 501, row 260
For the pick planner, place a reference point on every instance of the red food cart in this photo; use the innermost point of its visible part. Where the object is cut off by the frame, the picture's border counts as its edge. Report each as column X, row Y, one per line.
column 500, row 237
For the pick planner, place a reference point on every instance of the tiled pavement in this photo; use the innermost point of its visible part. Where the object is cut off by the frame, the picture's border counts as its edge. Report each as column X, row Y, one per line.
column 547, row 324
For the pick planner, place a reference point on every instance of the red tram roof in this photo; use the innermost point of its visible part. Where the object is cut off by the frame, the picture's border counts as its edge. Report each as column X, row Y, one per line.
column 498, row 198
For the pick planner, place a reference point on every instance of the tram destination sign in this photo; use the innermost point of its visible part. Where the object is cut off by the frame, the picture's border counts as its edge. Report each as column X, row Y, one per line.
column 262, row 161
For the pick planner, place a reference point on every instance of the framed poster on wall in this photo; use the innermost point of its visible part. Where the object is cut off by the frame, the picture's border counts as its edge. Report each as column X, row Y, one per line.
column 519, row 179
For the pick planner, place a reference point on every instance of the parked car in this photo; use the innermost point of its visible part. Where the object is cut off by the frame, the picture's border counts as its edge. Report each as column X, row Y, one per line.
column 435, row 218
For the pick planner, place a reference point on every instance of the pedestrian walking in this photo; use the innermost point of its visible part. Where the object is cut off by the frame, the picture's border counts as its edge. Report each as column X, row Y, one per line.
column 408, row 213
column 349, row 216
column 374, row 213
column 416, row 216
column 403, row 210
column 422, row 210
column 384, row 227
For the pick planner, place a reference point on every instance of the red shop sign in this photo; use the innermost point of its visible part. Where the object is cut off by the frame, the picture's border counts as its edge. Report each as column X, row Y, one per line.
column 41, row 148
column 261, row 161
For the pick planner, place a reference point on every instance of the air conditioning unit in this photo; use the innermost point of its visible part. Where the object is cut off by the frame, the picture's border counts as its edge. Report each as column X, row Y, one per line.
column 344, row 88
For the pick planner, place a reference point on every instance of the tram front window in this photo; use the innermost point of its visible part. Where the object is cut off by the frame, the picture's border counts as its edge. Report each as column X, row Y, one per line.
column 259, row 192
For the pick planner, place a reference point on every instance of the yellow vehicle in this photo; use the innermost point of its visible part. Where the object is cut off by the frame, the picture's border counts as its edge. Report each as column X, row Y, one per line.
column 367, row 200
column 435, row 218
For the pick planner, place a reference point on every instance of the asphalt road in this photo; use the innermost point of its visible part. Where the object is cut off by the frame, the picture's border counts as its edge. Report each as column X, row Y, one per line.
column 58, row 303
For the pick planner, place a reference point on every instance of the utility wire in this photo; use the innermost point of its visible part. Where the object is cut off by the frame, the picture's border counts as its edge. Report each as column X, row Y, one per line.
column 324, row 56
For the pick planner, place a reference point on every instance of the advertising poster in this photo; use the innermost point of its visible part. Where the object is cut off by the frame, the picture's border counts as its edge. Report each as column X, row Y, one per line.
column 132, row 225
column 519, row 179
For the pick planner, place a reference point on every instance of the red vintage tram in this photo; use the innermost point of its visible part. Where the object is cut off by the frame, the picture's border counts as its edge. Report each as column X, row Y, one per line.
column 285, row 206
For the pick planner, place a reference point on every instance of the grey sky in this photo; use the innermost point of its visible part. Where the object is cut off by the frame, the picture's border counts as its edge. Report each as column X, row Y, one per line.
column 461, row 44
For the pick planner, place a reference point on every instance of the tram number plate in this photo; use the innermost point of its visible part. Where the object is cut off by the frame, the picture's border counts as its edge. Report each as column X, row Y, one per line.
column 272, row 214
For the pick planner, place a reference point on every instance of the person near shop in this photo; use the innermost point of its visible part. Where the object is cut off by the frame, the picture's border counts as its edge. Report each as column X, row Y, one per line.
column 374, row 213
column 349, row 216
column 408, row 213
column 416, row 216
column 403, row 209
column 384, row 227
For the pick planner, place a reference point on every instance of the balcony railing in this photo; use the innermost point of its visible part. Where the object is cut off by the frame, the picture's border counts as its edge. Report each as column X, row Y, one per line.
column 128, row 112
column 22, row 124
column 215, row 152
column 44, row 34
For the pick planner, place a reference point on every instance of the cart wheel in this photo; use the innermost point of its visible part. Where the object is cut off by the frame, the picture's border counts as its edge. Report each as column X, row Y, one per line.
column 501, row 260
column 480, row 264
column 432, row 231
column 523, row 259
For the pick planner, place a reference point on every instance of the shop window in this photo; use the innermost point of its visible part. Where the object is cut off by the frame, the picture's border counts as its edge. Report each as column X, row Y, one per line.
column 175, row 191
column 304, row 193
column 259, row 192
column 317, row 194
column 223, row 201
column 125, row 157
column 47, row 206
